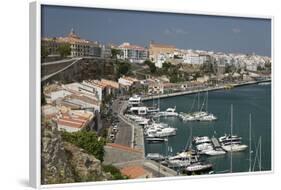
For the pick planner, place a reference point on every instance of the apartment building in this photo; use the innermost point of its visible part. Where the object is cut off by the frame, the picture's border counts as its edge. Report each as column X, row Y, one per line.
column 156, row 48
column 133, row 53
column 79, row 47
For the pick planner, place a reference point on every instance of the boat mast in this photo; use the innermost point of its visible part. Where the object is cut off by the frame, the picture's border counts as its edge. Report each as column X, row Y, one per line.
column 260, row 155
column 190, row 144
column 167, row 147
column 231, row 110
column 159, row 106
column 198, row 101
column 159, row 102
column 250, row 142
column 207, row 102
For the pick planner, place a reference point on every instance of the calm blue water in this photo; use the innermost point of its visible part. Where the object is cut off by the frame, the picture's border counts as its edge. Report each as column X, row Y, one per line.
column 254, row 99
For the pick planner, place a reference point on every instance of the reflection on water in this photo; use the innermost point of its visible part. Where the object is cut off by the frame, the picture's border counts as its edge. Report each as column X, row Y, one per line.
column 254, row 99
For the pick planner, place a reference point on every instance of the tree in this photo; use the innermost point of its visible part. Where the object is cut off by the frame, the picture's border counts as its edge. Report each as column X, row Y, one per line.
column 115, row 52
column 151, row 65
column 64, row 50
column 176, row 57
column 166, row 66
column 259, row 68
column 267, row 64
column 208, row 67
column 123, row 68
column 89, row 141
column 228, row 68
column 115, row 172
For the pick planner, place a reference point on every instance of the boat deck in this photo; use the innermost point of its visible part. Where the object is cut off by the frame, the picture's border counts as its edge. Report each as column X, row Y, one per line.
column 215, row 142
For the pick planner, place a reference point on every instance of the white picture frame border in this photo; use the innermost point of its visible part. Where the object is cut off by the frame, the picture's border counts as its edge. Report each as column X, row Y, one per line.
column 35, row 90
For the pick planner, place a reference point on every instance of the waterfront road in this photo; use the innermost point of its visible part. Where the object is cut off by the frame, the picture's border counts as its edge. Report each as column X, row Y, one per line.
column 124, row 135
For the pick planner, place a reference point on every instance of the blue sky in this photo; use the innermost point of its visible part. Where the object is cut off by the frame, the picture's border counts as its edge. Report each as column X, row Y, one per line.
column 226, row 34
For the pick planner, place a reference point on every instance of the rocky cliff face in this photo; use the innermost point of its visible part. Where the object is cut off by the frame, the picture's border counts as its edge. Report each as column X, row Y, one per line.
column 63, row 162
column 55, row 167
column 86, row 167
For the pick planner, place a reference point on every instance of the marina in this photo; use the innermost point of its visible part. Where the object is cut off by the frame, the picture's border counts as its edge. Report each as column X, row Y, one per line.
column 254, row 99
column 221, row 145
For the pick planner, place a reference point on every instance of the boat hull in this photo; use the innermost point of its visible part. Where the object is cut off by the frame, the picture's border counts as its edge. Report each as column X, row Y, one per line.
column 235, row 148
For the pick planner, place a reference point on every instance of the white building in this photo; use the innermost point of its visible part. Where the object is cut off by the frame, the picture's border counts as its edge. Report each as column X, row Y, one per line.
column 90, row 88
column 193, row 59
column 133, row 53
column 134, row 100
column 53, row 96
column 127, row 81
column 160, row 59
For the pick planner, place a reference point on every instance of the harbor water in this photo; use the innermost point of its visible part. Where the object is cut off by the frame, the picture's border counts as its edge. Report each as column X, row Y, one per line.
column 251, row 99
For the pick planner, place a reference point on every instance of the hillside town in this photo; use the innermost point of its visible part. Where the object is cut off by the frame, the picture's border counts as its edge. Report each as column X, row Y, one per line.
column 99, row 103
column 193, row 69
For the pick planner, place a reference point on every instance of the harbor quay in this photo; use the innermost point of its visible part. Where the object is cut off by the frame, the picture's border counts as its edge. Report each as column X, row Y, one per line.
column 204, row 89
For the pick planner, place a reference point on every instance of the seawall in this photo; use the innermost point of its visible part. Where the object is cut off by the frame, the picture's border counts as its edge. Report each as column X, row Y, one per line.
column 201, row 90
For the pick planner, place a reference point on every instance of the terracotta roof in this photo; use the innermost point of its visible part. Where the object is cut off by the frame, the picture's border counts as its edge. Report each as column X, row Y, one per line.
column 85, row 99
column 73, row 119
column 70, row 124
column 96, row 83
column 130, row 46
column 110, row 83
column 130, row 79
column 134, row 171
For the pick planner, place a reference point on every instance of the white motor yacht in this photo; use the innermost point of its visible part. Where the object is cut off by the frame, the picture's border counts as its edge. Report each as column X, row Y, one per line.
column 214, row 152
column 204, row 147
column 198, row 167
column 201, row 139
column 161, row 132
column 170, row 112
column 209, row 117
column 229, row 138
column 232, row 143
column 185, row 155
column 234, row 147
column 155, row 156
column 179, row 163
column 199, row 114
column 187, row 117
column 134, row 100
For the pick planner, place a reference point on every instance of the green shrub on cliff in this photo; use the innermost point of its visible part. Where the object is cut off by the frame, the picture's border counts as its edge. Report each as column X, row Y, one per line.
column 115, row 172
column 89, row 141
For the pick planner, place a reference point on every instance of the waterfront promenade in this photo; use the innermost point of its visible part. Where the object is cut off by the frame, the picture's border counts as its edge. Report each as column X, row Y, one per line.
column 144, row 98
